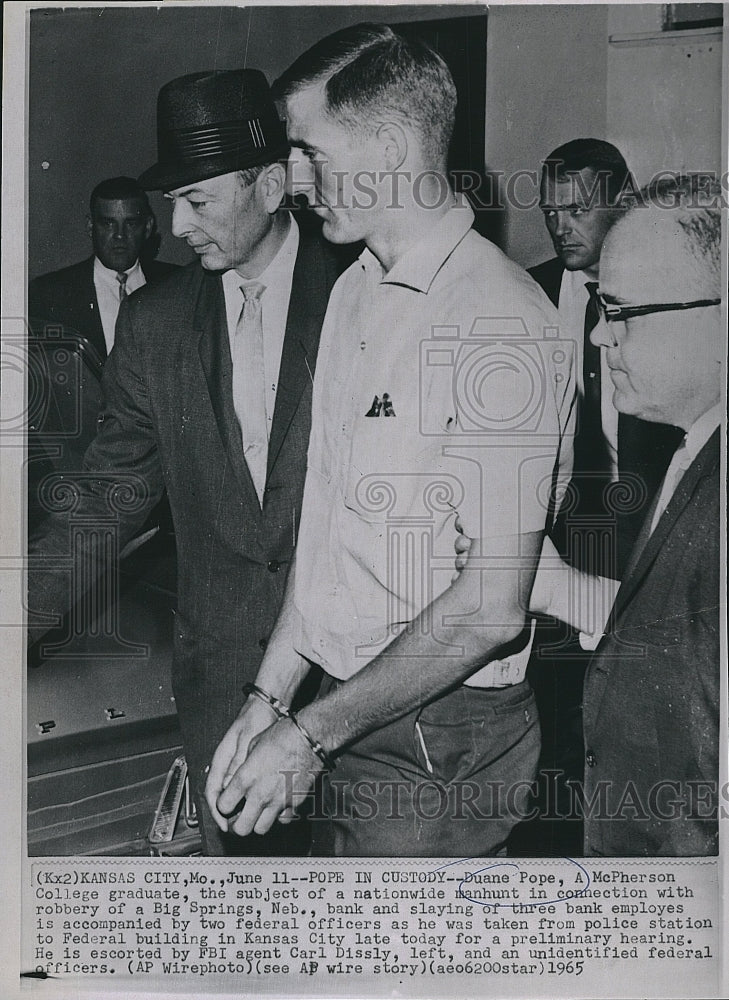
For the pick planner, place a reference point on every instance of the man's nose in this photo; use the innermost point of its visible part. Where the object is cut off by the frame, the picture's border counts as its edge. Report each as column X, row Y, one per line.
column 300, row 175
column 180, row 218
column 564, row 223
column 604, row 334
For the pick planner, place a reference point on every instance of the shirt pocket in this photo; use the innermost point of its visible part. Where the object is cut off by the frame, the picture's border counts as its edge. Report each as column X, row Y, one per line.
column 376, row 479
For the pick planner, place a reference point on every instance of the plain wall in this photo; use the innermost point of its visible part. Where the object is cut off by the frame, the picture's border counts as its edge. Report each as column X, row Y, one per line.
column 94, row 79
column 546, row 83
column 664, row 95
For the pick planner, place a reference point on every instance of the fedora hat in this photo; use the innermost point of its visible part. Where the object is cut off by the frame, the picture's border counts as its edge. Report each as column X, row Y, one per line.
column 213, row 123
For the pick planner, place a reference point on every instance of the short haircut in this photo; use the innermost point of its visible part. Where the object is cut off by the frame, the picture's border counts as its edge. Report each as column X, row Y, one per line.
column 694, row 202
column 249, row 174
column 119, row 189
column 605, row 160
column 371, row 75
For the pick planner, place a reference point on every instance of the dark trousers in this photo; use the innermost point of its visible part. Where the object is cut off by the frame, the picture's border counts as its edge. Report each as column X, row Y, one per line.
column 285, row 840
column 448, row 780
column 556, row 672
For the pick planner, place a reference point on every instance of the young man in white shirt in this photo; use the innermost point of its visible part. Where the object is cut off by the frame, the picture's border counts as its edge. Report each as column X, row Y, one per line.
column 438, row 392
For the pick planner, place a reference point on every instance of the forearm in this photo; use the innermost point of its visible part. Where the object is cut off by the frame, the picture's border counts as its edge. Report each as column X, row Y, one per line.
column 282, row 668
column 464, row 628
column 563, row 592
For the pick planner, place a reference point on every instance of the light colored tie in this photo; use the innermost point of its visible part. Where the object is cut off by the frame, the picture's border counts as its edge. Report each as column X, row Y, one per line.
column 679, row 464
column 122, row 279
column 249, row 384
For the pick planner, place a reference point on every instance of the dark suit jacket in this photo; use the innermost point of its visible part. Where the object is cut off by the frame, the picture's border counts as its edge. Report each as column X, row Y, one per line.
column 68, row 297
column 549, row 276
column 169, row 423
column 651, row 700
column 644, row 449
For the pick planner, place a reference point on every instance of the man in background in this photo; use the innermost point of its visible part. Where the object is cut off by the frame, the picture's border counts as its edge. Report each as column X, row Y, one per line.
column 85, row 297
column 651, row 698
column 619, row 461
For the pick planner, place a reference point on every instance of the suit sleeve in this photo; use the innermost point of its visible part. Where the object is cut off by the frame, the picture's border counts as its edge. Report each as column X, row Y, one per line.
column 119, row 484
column 38, row 304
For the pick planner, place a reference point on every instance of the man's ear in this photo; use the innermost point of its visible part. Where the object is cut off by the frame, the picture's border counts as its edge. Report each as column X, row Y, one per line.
column 272, row 185
column 89, row 225
column 394, row 144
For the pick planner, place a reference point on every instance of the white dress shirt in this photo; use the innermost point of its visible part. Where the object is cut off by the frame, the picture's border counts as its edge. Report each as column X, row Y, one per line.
column 573, row 299
column 696, row 437
column 107, row 294
column 277, row 278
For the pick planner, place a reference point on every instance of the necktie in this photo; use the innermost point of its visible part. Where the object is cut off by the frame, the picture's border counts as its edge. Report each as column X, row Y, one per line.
column 591, row 454
column 249, row 384
column 122, row 279
column 579, row 529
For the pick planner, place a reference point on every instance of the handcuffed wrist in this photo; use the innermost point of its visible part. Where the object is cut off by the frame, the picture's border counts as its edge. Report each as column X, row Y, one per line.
column 281, row 710
column 314, row 745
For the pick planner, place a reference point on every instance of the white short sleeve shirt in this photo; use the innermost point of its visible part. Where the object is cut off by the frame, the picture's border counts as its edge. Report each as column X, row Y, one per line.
column 442, row 389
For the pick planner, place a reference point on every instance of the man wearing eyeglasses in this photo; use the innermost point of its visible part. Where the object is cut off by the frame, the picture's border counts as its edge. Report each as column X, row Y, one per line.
column 619, row 461
column 651, row 697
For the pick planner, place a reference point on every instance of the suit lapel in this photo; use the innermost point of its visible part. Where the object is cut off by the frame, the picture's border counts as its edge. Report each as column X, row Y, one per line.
column 647, row 548
column 211, row 326
column 549, row 276
column 649, row 545
column 310, row 287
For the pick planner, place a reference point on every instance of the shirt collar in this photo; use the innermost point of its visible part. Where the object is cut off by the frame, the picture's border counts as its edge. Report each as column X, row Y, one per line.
column 578, row 281
column 281, row 265
column 701, row 430
column 419, row 265
column 109, row 272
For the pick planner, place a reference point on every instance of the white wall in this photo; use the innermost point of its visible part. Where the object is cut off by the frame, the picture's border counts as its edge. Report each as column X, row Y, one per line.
column 663, row 95
column 546, row 82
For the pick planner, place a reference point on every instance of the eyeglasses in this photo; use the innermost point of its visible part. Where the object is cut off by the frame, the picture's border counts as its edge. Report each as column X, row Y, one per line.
column 618, row 314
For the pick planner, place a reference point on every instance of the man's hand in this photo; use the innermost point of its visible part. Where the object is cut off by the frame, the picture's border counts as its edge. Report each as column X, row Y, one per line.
column 255, row 717
column 274, row 777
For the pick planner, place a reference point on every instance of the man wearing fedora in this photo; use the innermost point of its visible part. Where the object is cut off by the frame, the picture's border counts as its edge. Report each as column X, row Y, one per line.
column 208, row 395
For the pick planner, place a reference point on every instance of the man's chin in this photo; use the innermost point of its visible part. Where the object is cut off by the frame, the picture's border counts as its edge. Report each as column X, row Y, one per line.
column 118, row 264
column 211, row 262
column 332, row 231
column 574, row 262
column 626, row 403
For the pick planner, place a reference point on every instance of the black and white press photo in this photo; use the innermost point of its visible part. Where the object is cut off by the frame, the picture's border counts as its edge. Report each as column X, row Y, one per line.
column 363, row 427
